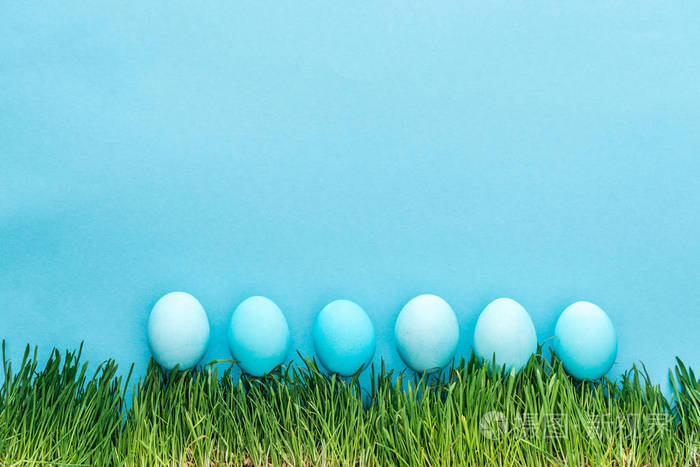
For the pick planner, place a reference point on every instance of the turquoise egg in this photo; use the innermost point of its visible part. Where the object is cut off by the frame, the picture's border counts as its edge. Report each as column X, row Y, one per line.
column 426, row 333
column 178, row 331
column 504, row 331
column 344, row 337
column 585, row 341
column 258, row 335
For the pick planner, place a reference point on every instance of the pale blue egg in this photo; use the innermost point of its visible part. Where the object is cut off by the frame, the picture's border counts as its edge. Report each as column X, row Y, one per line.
column 426, row 333
column 178, row 331
column 505, row 331
column 258, row 335
column 585, row 341
column 344, row 337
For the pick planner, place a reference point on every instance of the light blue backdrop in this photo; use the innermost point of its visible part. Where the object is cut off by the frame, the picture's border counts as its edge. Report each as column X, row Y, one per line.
column 546, row 152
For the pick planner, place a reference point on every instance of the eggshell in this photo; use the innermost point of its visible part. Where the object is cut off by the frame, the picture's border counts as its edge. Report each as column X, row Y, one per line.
column 178, row 331
column 258, row 335
column 585, row 341
column 426, row 333
column 505, row 331
column 343, row 337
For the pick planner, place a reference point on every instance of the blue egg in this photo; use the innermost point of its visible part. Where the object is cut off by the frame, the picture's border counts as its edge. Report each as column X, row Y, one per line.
column 585, row 341
column 344, row 337
column 505, row 331
column 178, row 331
column 426, row 333
column 258, row 335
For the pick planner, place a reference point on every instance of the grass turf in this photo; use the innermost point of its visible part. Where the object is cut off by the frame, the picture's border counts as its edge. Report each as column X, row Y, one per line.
column 473, row 414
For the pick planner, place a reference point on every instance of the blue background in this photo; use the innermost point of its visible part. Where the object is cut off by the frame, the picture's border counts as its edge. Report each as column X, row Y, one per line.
column 546, row 152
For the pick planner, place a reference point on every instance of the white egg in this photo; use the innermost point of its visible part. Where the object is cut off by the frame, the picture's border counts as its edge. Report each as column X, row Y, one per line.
column 178, row 331
column 426, row 333
column 504, row 331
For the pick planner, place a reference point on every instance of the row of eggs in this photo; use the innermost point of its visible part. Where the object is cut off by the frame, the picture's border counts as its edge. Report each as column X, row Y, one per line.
column 426, row 335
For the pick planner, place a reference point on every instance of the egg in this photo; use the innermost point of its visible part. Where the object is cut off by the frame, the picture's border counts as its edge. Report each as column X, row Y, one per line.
column 178, row 331
column 426, row 333
column 504, row 331
column 258, row 335
column 343, row 337
column 585, row 341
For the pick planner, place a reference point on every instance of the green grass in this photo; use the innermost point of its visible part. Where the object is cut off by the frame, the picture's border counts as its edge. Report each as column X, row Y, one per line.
column 61, row 415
